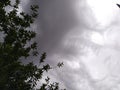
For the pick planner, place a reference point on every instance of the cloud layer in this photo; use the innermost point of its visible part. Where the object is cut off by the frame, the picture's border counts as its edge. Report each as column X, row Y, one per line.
column 68, row 31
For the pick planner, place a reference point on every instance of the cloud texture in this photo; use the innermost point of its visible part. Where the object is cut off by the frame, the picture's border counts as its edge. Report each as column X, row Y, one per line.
column 68, row 31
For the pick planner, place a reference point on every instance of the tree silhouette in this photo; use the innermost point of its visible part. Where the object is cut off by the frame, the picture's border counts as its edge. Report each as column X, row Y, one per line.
column 15, row 34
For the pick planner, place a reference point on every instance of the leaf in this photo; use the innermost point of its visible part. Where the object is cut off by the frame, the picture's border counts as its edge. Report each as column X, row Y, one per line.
column 42, row 58
column 60, row 64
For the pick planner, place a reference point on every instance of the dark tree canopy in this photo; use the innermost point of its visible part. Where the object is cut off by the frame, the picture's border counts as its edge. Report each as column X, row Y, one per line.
column 16, row 33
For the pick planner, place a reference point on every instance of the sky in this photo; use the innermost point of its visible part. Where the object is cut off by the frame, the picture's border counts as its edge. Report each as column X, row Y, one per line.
column 84, row 34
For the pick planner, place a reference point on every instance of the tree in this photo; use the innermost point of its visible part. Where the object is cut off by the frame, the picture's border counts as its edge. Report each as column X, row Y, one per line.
column 16, row 33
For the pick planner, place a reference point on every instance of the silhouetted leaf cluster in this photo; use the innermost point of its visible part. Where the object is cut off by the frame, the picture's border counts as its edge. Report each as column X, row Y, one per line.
column 14, row 75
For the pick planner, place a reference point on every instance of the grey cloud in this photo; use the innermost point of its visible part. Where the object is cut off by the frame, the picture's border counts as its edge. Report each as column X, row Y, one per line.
column 63, row 32
column 56, row 19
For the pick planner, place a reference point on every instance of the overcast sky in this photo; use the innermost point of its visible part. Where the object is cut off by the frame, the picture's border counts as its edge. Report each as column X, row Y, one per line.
column 84, row 34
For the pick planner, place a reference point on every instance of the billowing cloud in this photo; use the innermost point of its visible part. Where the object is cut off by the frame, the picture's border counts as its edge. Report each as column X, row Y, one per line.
column 69, row 31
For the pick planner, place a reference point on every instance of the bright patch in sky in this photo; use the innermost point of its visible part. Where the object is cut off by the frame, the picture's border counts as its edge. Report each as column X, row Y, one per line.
column 105, row 64
column 97, row 38
column 104, row 10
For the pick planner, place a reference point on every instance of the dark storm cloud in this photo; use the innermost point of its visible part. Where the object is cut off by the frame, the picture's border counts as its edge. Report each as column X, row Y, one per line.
column 56, row 18
column 56, row 24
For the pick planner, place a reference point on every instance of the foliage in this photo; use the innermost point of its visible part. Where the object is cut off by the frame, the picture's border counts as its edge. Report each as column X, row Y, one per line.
column 15, row 27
